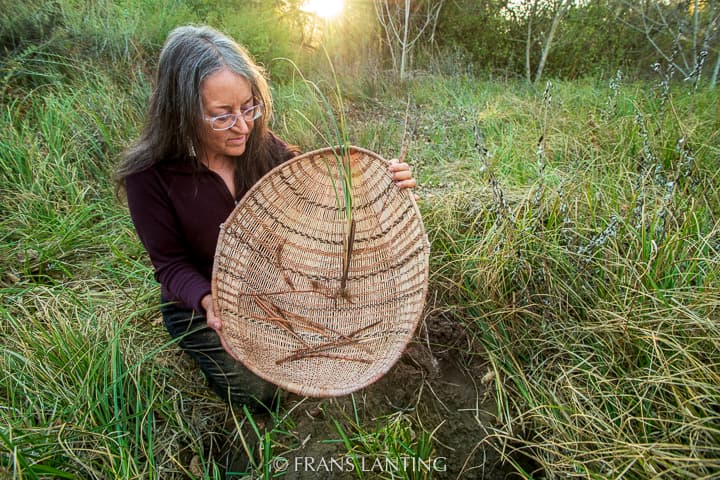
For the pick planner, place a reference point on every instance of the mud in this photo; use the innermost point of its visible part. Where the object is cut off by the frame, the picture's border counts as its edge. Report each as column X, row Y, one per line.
column 437, row 387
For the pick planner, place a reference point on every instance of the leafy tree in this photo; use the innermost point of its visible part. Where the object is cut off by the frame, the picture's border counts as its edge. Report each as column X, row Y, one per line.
column 486, row 33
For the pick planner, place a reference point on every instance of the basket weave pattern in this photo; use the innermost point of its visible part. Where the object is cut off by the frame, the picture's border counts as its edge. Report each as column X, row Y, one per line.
column 290, row 313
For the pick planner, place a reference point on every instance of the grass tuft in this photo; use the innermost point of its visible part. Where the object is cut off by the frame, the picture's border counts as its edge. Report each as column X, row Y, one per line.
column 574, row 229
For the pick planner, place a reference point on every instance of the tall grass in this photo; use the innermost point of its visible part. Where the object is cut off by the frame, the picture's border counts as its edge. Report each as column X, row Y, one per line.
column 586, row 262
column 596, row 299
column 88, row 388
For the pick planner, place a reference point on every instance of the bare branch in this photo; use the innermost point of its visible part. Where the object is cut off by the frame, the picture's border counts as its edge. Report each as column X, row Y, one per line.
column 402, row 42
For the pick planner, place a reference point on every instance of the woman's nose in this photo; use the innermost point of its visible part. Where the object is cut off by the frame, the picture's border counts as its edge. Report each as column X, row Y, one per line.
column 241, row 125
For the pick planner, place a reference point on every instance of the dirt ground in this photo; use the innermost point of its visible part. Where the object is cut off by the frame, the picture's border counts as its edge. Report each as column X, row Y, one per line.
column 437, row 386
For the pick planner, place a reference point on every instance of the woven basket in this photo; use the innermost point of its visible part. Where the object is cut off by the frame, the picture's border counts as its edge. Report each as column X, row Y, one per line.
column 291, row 312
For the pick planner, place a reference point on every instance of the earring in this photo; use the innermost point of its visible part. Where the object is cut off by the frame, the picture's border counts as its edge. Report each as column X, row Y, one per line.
column 192, row 151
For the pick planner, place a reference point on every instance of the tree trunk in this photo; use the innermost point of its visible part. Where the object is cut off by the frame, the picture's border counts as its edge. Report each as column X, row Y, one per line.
column 405, row 44
column 528, row 42
column 696, row 24
column 549, row 39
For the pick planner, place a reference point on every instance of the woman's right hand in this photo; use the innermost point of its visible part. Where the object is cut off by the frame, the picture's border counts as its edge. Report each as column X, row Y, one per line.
column 213, row 320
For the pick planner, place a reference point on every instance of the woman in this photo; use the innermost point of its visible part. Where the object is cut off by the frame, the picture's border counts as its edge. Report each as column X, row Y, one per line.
column 205, row 142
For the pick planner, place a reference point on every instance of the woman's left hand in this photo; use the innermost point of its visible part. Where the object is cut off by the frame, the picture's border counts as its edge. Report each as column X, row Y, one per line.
column 401, row 174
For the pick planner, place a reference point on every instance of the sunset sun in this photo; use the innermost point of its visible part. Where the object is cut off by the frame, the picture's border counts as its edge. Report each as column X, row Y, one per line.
column 324, row 8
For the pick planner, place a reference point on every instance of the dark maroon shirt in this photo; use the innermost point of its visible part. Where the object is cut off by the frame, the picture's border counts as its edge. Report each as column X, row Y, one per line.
column 177, row 214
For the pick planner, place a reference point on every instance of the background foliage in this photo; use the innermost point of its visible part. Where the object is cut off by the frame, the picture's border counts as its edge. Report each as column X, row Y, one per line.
column 574, row 229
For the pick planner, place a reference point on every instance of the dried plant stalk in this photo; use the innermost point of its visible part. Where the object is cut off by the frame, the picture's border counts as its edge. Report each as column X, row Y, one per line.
column 339, row 342
column 347, row 257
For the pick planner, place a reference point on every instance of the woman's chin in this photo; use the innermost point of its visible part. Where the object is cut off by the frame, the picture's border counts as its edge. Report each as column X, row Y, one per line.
column 235, row 150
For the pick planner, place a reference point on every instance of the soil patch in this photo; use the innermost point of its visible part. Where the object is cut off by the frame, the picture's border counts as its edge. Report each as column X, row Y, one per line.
column 437, row 389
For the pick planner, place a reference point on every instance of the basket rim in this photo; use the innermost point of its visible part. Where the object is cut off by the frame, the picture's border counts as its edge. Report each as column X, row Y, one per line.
column 305, row 389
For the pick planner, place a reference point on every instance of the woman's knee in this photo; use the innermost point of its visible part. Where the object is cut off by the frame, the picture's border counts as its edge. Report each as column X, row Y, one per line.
column 239, row 386
column 227, row 377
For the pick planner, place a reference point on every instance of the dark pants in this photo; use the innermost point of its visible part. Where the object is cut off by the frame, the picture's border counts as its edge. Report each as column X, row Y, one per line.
column 227, row 377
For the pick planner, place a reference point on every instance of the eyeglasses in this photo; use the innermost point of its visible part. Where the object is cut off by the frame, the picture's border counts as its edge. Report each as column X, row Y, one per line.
column 228, row 120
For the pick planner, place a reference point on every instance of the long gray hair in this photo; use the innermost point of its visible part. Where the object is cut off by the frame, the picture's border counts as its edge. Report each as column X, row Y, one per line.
column 174, row 117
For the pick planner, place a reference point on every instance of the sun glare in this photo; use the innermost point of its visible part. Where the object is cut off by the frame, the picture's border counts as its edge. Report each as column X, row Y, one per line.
column 324, row 8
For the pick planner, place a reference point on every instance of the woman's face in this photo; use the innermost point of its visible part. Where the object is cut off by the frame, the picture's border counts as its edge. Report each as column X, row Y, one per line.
column 225, row 92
